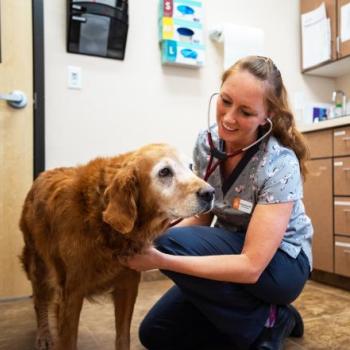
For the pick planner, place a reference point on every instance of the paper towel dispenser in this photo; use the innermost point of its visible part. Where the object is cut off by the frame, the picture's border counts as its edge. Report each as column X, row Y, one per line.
column 98, row 27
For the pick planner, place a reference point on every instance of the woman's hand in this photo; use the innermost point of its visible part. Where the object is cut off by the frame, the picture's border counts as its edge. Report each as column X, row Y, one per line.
column 150, row 259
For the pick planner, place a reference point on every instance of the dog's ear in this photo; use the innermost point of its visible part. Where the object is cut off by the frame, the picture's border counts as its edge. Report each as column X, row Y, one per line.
column 121, row 197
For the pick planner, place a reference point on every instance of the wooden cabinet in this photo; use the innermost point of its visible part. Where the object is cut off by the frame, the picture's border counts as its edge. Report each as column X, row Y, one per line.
column 341, row 141
column 344, row 45
column 342, row 176
column 327, row 198
column 342, row 216
column 318, row 200
column 320, row 143
column 342, row 256
column 339, row 61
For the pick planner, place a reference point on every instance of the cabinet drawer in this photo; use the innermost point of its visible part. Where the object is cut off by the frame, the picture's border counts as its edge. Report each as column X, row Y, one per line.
column 341, row 141
column 342, row 256
column 342, row 215
column 342, row 176
column 320, row 143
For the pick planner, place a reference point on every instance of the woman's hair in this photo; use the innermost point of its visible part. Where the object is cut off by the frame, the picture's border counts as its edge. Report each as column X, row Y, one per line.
column 276, row 100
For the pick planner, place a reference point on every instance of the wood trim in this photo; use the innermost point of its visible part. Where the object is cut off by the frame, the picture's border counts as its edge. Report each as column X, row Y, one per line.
column 331, row 279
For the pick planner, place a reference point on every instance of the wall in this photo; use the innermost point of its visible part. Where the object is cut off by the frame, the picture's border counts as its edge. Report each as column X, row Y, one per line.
column 125, row 104
column 343, row 83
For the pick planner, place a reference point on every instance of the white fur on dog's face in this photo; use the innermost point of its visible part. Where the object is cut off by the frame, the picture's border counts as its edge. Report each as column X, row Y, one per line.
column 177, row 187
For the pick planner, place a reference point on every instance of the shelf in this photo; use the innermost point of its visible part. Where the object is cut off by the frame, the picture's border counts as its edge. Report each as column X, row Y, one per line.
column 331, row 69
column 331, row 123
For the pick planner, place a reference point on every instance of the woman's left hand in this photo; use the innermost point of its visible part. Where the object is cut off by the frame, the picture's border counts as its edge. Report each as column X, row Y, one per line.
column 150, row 259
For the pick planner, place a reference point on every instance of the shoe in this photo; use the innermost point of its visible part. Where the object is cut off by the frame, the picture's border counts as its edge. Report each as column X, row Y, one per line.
column 288, row 323
column 298, row 330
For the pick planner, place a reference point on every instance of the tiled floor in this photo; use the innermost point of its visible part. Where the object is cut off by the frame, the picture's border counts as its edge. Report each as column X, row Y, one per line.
column 326, row 313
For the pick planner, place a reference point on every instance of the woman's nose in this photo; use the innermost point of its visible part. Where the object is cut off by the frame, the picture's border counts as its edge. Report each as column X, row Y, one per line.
column 230, row 114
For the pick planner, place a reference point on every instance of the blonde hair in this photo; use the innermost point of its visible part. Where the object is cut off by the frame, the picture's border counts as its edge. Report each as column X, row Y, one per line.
column 276, row 100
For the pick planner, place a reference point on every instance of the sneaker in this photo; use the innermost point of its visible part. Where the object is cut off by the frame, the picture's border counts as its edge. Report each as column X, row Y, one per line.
column 288, row 323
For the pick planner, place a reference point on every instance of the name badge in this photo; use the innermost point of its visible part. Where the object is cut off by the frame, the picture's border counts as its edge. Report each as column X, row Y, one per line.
column 242, row 205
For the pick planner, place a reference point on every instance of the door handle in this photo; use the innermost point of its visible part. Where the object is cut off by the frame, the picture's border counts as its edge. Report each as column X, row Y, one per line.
column 15, row 99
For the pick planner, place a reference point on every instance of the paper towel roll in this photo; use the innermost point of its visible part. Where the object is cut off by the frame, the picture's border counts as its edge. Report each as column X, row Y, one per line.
column 239, row 41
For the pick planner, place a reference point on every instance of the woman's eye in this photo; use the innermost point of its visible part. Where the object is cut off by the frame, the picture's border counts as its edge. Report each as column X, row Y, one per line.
column 246, row 113
column 165, row 172
column 225, row 101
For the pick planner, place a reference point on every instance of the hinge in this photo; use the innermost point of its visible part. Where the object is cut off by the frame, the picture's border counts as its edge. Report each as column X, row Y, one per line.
column 34, row 100
column 338, row 44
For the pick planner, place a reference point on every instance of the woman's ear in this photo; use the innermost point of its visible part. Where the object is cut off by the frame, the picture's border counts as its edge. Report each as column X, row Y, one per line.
column 121, row 197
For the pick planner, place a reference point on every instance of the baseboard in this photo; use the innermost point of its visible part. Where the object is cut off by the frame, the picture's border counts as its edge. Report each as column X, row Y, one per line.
column 331, row 279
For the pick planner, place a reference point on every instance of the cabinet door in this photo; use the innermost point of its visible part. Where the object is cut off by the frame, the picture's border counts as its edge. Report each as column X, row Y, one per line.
column 320, row 143
column 342, row 216
column 342, row 176
column 318, row 200
column 343, row 27
column 341, row 137
column 331, row 9
column 342, row 256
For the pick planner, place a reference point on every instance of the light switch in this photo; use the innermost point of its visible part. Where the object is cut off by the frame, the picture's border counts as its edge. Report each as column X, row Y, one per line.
column 74, row 77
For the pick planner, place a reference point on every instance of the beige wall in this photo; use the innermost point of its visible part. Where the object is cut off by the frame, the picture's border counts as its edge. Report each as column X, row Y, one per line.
column 343, row 83
column 124, row 104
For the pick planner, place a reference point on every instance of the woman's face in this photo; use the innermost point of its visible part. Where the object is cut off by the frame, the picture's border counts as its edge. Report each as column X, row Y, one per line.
column 240, row 110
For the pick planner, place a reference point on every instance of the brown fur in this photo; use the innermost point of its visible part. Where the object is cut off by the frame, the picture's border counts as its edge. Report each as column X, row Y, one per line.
column 76, row 223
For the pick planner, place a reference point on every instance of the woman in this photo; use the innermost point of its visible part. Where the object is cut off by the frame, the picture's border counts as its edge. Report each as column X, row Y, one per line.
column 234, row 282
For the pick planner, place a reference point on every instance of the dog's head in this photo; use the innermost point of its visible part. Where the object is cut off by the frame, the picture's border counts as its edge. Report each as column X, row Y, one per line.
column 155, row 182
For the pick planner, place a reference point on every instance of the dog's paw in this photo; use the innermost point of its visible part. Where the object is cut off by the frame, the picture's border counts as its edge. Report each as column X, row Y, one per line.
column 43, row 341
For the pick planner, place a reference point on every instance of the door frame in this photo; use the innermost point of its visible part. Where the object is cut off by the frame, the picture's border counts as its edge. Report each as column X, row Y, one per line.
column 38, row 88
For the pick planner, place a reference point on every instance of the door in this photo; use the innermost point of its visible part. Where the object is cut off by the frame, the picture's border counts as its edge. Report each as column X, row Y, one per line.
column 318, row 199
column 344, row 27
column 16, row 139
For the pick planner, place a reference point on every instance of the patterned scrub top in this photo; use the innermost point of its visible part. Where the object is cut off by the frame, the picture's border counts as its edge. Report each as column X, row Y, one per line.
column 272, row 175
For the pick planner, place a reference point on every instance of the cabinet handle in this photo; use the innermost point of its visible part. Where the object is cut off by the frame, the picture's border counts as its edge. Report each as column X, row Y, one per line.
column 346, row 211
column 346, row 169
column 342, row 244
column 346, row 251
column 346, row 138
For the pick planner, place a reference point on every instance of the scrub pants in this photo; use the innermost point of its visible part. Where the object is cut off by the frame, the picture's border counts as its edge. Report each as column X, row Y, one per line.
column 199, row 313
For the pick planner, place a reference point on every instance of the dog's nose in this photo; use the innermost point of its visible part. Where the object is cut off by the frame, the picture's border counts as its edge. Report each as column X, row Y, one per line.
column 206, row 194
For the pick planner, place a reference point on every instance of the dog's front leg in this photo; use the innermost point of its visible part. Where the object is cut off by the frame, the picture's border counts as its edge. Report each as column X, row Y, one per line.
column 124, row 297
column 68, row 313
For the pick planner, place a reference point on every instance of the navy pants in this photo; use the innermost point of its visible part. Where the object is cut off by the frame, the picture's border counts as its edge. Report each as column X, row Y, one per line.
column 199, row 313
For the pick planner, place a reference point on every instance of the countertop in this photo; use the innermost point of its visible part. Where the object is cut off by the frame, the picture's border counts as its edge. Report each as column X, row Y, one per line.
column 331, row 123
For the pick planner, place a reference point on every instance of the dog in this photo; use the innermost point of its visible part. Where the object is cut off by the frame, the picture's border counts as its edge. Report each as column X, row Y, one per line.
column 77, row 222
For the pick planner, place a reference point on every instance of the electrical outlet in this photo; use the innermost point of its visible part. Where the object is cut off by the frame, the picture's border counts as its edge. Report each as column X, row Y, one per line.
column 74, row 77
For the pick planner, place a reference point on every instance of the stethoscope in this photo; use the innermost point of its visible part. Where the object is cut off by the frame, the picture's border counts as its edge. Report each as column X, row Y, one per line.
column 221, row 156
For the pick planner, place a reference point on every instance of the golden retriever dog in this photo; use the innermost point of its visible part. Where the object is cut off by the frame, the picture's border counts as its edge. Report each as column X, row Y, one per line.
column 77, row 223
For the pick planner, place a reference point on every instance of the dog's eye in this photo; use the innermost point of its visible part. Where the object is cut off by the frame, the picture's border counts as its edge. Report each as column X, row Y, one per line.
column 165, row 172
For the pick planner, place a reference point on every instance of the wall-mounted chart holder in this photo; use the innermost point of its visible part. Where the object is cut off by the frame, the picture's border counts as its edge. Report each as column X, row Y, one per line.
column 98, row 27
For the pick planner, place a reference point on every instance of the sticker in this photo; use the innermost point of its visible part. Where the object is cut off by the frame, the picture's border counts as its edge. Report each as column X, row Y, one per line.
column 242, row 205
column 339, row 133
column 338, row 163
